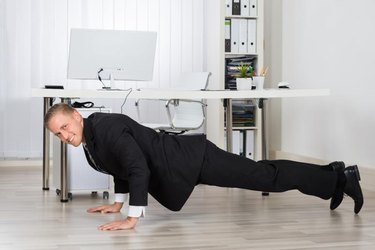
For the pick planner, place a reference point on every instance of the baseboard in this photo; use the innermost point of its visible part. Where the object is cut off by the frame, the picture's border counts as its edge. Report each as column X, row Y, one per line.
column 21, row 163
column 367, row 172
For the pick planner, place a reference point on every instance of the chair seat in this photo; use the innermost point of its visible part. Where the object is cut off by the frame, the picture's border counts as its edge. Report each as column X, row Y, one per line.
column 156, row 125
column 165, row 128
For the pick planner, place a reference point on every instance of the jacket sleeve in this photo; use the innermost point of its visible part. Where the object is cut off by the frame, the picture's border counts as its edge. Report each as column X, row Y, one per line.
column 121, row 186
column 133, row 168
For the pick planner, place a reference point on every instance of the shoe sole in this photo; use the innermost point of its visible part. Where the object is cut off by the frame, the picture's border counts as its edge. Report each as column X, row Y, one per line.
column 356, row 171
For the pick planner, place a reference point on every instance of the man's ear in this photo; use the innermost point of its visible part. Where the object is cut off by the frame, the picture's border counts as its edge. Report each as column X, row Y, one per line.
column 77, row 115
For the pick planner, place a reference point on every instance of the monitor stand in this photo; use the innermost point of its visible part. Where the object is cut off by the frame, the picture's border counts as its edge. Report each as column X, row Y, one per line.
column 111, row 83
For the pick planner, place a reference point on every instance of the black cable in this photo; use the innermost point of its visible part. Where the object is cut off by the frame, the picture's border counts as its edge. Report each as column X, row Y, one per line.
column 126, row 97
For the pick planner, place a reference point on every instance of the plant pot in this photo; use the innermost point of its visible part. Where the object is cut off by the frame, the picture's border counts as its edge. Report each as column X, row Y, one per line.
column 244, row 83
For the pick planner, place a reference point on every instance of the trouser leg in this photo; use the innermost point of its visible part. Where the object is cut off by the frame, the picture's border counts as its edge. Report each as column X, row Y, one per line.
column 229, row 170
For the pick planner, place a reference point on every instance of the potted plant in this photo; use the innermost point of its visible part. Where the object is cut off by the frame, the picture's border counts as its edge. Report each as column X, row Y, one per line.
column 244, row 78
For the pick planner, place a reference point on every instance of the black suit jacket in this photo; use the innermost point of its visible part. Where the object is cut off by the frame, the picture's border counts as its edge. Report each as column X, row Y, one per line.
column 143, row 161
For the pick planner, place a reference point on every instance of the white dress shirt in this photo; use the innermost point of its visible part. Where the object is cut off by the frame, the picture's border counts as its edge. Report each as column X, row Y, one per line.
column 134, row 211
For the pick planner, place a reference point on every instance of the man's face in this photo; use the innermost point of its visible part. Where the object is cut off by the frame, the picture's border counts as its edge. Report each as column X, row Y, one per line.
column 68, row 127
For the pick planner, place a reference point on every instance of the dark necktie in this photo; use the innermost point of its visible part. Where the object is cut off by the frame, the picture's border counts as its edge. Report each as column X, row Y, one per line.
column 92, row 160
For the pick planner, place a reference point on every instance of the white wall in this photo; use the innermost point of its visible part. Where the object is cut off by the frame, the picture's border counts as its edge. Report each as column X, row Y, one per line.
column 214, row 28
column 34, row 37
column 329, row 44
column 273, row 59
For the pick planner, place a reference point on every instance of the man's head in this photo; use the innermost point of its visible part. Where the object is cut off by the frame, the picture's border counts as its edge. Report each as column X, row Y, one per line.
column 66, row 123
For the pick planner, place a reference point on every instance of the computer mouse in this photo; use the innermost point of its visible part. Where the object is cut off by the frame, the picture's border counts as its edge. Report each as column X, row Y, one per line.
column 283, row 85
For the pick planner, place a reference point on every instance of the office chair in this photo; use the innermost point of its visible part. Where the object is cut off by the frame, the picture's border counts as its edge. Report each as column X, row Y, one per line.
column 183, row 115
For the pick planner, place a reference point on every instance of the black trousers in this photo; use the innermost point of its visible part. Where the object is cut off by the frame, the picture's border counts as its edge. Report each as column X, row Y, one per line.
column 224, row 169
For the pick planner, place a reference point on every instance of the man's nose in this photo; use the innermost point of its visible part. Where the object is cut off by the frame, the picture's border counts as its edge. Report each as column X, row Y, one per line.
column 64, row 136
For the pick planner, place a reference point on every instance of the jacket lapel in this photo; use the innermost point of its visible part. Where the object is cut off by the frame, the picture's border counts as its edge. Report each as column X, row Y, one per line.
column 90, row 143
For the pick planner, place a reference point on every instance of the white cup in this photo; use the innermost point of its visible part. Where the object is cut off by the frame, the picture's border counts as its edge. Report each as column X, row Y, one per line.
column 258, row 82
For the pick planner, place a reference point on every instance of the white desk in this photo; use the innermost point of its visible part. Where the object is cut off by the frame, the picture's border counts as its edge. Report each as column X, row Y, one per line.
column 66, row 94
column 180, row 94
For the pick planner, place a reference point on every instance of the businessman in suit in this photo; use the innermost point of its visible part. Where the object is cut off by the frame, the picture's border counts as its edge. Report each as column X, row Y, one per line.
column 168, row 167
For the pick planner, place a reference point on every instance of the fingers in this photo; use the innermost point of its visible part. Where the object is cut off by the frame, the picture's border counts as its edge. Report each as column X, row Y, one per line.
column 117, row 225
column 114, row 208
column 108, row 227
column 93, row 209
column 100, row 209
column 111, row 226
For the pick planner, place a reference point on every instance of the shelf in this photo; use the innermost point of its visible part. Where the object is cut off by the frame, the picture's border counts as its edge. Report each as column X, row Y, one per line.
column 240, row 54
column 243, row 128
column 241, row 17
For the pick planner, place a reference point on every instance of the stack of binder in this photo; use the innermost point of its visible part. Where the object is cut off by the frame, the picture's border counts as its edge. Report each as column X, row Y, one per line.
column 243, row 143
column 243, row 114
column 240, row 36
column 243, row 8
column 231, row 69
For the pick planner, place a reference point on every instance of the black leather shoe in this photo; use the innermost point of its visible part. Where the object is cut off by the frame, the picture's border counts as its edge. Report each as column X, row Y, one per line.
column 338, row 196
column 337, row 166
column 353, row 188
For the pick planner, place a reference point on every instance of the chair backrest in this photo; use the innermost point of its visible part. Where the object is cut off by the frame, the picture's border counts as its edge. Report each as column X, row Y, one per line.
column 190, row 114
column 192, row 81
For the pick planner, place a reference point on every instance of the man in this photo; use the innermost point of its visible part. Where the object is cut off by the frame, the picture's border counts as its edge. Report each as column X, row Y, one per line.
column 168, row 167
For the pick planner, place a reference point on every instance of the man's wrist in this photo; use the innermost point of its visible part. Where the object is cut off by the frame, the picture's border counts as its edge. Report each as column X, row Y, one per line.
column 118, row 205
column 120, row 197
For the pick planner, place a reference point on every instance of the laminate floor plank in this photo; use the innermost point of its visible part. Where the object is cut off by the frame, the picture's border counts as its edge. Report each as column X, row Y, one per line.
column 213, row 218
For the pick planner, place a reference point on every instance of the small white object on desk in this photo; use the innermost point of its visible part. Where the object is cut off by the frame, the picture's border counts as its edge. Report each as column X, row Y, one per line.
column 283, row 85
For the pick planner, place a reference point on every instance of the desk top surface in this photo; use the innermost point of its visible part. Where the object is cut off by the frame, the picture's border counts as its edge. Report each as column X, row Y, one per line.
column 178, row 94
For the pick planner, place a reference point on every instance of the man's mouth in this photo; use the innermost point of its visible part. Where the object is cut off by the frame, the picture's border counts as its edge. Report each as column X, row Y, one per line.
column 71, row 139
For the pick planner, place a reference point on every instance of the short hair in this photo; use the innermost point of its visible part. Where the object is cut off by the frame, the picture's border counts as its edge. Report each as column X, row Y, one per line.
column 57, row 108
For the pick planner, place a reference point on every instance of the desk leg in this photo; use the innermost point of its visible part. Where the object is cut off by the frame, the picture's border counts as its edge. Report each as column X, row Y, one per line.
column 262, row 107
column 63, row 167
column 46, row 139
column 229, row 125
column 264, row 134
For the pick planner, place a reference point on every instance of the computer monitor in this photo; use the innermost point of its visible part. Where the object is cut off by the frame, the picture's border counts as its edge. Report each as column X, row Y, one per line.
column 111, row 54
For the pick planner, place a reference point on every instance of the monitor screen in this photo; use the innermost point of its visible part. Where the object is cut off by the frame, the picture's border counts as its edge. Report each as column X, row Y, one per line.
column 127, row 55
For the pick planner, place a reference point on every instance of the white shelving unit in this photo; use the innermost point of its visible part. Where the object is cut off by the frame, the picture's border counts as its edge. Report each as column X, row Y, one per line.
column 255, row 9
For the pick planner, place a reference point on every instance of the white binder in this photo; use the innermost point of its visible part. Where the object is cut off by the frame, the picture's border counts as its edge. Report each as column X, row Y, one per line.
column 228, row 7
column 234, row 31
column 253, row 8
column 245, row 8
column 251, row 36
column 242, row 47
column 236, row 142
column 250, row 144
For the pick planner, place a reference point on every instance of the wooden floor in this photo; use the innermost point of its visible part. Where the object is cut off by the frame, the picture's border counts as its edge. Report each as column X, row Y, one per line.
column 213, row 218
